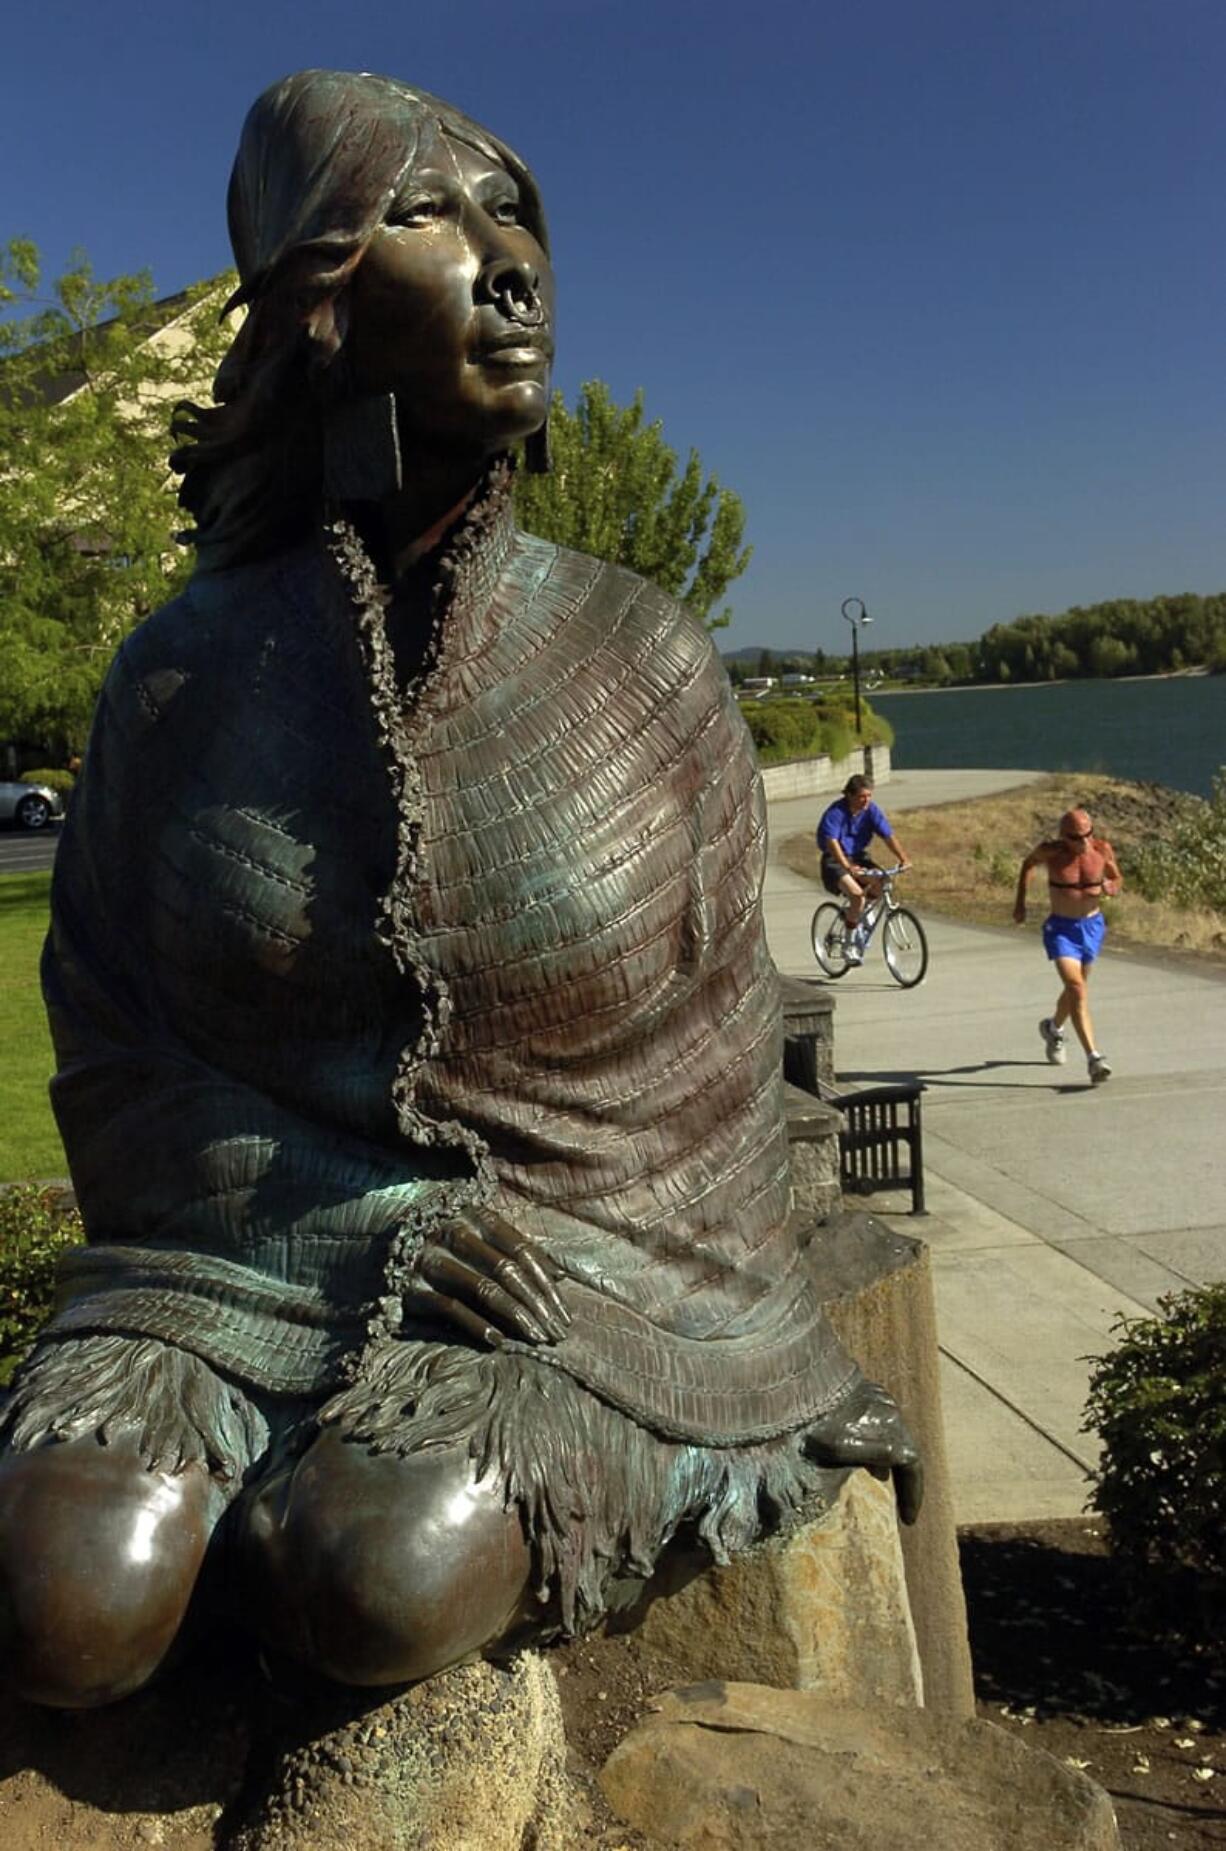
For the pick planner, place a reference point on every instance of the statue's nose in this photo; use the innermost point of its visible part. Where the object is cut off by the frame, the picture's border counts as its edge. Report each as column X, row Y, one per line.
column 514, row 287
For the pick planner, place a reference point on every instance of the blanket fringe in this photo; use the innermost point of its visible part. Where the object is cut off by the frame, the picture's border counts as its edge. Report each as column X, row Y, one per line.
column 600, row 1496
column 182, row 1411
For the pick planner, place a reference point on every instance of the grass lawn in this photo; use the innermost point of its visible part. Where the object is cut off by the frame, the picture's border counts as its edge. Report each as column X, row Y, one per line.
column 29, row 1142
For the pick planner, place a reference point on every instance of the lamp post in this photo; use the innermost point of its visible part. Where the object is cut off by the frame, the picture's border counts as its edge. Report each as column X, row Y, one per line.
column 856, row 624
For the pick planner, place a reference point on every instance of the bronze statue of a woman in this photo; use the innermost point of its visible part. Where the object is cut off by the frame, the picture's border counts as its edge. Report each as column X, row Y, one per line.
column 418, row 1044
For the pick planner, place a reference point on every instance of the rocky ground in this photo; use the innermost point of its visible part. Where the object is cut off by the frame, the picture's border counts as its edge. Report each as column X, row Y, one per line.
column 1054, row 1660
column 1061, row 1654
column 1054, row 1656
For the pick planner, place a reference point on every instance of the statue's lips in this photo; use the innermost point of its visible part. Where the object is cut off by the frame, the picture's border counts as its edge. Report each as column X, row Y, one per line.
column 523, row 348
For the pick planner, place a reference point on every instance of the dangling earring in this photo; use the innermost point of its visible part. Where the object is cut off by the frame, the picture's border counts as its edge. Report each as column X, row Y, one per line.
column 538, row 460
column 361, row 449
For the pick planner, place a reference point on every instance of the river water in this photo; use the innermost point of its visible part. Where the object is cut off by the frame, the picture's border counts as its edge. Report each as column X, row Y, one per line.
column 1172, row 731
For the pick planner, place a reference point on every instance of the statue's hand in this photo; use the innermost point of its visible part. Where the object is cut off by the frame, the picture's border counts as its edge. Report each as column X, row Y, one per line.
column 867, row 1429
column 484, row 1276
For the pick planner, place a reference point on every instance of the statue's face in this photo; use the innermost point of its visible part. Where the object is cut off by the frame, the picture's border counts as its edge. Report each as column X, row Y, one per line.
column 451, row 307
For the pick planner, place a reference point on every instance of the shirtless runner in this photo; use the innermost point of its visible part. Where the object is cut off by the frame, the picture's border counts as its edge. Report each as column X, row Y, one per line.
column 1081, row 868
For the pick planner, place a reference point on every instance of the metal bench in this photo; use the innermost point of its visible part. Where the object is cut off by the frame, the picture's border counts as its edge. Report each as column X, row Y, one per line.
column 882, row 1125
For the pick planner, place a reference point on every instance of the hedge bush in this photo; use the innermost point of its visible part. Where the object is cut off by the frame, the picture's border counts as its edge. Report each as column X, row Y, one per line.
column 1158, row 1403
column 61, row 781
column 793, row 728
column 36, row 1224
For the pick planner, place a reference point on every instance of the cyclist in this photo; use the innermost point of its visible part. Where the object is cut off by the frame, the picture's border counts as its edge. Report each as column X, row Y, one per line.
column 843, row 837
column 1081, row 868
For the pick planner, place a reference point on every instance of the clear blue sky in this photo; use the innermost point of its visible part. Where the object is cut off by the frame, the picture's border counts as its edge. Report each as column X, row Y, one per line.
column 939, row 286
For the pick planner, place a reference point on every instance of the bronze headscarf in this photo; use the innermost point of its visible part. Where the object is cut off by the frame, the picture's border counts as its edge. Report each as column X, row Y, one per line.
column 320, row 160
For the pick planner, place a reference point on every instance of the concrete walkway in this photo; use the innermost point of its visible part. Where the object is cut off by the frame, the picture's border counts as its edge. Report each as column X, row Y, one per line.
column 1054, row 1206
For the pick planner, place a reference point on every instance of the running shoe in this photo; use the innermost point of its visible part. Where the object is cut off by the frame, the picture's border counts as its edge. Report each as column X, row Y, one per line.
column 1053, row 1041
column 853, row 952
column 1100, row 1069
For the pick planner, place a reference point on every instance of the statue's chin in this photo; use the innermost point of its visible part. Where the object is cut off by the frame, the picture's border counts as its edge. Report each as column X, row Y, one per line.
column 523, row 405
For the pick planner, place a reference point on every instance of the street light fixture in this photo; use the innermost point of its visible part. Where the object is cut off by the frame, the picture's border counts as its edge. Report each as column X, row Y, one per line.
column 856, row 625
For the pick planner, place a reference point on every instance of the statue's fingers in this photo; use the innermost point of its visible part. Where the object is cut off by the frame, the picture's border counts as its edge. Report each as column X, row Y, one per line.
column 464, row 1236
column 453, row 1276
column 513, row 1241
column 523, row 1251
column 533, row 1266
column 527, row 1291
column 526, row 1261
column 436, row 1306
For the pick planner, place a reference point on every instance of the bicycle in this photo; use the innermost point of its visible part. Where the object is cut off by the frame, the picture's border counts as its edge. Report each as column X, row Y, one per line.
column 903, row 939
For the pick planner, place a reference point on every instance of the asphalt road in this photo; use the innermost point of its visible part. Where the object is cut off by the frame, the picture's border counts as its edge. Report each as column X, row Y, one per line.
column 24, row 850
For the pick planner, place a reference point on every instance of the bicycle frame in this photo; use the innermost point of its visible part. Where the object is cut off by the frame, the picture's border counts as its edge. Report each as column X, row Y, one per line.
column 875, row 910
column 905, row 944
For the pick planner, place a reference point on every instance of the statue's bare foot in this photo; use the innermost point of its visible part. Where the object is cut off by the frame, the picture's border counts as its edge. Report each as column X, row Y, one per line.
column 867, row 1429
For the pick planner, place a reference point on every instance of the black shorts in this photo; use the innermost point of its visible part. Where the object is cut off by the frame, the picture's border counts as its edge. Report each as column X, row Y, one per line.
column 833, row 872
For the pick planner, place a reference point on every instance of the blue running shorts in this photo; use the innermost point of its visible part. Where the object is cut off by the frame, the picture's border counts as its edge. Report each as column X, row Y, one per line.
column 1074, row 938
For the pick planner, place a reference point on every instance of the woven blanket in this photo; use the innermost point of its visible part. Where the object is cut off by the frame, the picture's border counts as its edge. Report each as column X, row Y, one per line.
column 337, row 949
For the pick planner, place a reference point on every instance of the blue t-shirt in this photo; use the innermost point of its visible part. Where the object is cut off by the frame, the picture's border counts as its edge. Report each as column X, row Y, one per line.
column 853, row 833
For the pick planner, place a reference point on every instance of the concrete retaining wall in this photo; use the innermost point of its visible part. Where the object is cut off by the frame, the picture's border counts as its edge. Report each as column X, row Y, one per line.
column 819, row 777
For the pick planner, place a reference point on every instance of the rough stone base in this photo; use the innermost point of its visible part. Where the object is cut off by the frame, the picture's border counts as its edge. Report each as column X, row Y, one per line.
column 813, row 1150
column 472, row 1761
column 825, row 1608
column 744, row 1768
column 876, row 1286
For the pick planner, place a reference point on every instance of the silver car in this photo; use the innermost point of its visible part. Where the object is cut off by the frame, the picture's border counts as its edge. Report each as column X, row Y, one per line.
column 30, row 806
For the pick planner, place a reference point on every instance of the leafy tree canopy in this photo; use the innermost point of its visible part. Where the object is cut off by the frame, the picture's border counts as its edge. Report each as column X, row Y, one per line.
column 89, row 373
column 614, row 491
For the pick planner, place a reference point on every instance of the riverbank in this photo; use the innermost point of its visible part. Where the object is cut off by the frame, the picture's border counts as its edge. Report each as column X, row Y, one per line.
column 967, row 856
column 1059, row 681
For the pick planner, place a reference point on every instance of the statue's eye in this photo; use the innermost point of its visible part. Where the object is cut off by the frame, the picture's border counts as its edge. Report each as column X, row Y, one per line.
column 415, row 211
column 505, row 211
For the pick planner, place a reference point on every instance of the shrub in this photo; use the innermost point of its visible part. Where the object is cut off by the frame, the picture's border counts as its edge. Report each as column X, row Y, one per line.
column 36, row 1225
column 1158, row 1402
column 791, row 728
column 1000, row 868
column 61, row 781
column 1187, row 864
column 838, row 731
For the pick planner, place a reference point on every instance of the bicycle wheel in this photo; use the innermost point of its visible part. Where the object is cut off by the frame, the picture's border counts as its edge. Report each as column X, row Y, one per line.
column 830, row 939
column 905, row 947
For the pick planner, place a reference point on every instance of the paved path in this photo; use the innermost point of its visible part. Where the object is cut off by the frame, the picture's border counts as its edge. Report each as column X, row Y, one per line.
column 1054, row 1206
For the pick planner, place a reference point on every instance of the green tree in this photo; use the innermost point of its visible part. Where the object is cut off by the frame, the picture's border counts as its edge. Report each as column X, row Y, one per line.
column 934, row 667
column 89, row 373
column 961, row 661
column 1109, row 655
column 614, row 491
